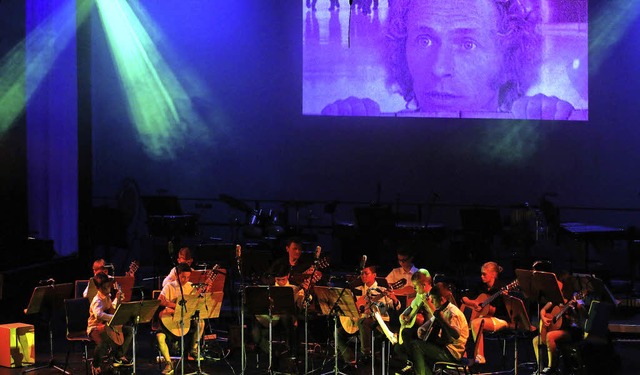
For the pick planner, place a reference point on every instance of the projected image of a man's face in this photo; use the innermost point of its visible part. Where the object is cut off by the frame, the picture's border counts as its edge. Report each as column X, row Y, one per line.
column 453, row 55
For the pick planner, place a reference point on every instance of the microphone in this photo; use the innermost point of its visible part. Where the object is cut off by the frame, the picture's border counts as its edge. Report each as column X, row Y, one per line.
column 170, row 246
column 317, row 254
column 47, row 281
column 363, row 262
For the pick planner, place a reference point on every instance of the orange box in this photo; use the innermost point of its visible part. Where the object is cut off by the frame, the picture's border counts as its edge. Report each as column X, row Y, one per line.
column 17, row 345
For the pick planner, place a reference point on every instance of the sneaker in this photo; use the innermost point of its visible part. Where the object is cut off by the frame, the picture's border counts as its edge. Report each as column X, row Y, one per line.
column 193, row 356
column 479, row 359
column 168, row 369
column 549, row 371
column 407, row 369
column 122, row 361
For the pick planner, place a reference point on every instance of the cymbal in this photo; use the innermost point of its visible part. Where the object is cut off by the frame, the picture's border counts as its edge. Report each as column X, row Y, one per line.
column 235, row 203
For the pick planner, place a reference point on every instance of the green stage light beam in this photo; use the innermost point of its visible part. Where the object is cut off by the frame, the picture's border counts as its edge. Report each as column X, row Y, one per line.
column 21, row 74
column 158, row 104
column 611, row 23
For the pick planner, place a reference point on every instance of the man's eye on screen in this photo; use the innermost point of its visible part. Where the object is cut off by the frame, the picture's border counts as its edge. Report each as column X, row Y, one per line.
column 424, row 41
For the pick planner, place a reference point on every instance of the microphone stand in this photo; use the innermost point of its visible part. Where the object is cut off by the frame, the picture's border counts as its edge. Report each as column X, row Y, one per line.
column 183, row 307
column 243, row 349
column 306, row 302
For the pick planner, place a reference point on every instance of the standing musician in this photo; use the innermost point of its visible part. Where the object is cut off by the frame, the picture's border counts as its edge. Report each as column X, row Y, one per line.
column 367, row 293
column 442, row 338
column 169, row 299
column 419, row 310
column 184, row 256
column 560, row 324
column 100, row 313
column 492, row 317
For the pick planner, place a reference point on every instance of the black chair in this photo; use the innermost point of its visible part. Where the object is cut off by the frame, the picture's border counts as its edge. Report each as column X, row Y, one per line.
column 77, row 315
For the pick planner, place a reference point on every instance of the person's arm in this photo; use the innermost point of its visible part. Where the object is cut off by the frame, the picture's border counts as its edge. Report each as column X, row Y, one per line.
column 450, row 327
column 100, row 311
column 170, row 277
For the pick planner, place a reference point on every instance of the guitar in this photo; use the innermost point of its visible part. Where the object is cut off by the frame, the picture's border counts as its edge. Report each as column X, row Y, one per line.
column 312, row 274
column 484, row 300
column 133, row 267
column 115, row 332
column 431, row 328
column 364, row 303
column 413, row 316
column 557, row 313
column 170, row 318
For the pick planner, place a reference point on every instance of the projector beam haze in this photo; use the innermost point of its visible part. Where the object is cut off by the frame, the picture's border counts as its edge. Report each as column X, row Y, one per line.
column 158, row 105
column 22, row 74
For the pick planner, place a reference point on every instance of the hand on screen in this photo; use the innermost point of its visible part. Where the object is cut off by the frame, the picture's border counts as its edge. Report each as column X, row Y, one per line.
column 352, row 106
column 541, row 107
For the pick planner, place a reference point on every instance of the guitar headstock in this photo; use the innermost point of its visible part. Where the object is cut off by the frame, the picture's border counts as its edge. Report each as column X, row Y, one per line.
column 133, row 267
column 322, row 263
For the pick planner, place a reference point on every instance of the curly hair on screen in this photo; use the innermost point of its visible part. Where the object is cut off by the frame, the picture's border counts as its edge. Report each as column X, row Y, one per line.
column 517, row 35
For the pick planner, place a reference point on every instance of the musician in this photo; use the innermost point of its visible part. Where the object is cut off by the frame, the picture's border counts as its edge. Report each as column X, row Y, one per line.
column 297, row 264
column 286, row 322
column 367, row 293
column 101, row 311
column 566, row 329
column 416, row 312
column 169, row 298
column 404, row 272
column 492, row 317
column 446, row 345
column 99, row 266
column 184, row 256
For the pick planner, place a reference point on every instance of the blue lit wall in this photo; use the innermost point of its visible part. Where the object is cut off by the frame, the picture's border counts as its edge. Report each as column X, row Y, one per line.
column 241, row 62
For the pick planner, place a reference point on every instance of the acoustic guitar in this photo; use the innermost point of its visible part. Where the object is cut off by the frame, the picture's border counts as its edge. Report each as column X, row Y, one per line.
column 170, row 318
column 484, row 300
column 350, row 325
column 115, row 332
column 557, row 313
column 425, row 309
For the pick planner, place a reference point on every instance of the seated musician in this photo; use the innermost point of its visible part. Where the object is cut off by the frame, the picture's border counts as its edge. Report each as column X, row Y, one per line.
column 99, row 266
column 492, row 317
column 367, row 293
column 169, row 299
column 184, row 256
column 404, row 272
column 100, row 313
column 413, row 316
column 442, row 338
column 567, row 327
column 297, row 264
column 287, row 322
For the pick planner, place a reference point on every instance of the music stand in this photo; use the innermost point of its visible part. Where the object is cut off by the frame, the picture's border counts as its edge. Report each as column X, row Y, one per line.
column 334, row 301
column 134, row 312
column 519, row 319
column 51, row 297
column 211, row 305
column 270, row 300
column 539, row 286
